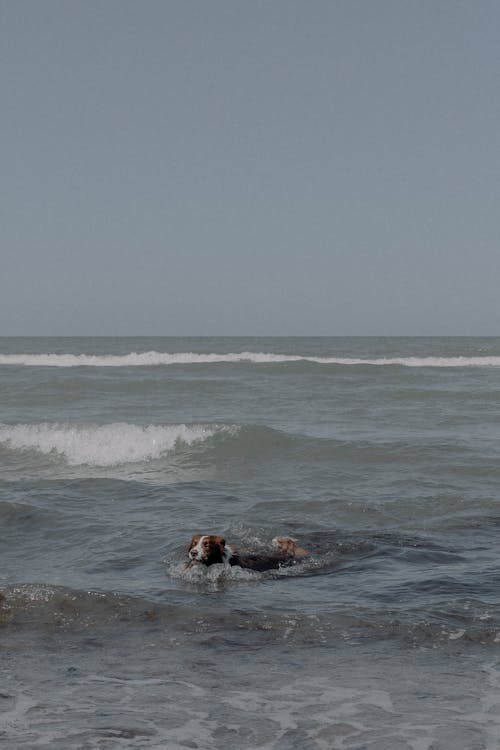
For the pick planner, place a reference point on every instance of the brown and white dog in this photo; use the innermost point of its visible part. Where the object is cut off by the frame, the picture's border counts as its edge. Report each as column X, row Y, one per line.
column 211, row 549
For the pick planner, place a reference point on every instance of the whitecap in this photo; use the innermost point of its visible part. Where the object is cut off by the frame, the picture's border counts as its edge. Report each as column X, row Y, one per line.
column 104, row 445
column 154, row 358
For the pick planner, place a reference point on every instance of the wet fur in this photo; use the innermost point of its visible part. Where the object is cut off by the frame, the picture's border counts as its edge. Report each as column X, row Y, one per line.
column 207, row 549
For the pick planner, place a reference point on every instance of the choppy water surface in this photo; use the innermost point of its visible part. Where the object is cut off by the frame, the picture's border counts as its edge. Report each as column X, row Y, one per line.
column 379, row 455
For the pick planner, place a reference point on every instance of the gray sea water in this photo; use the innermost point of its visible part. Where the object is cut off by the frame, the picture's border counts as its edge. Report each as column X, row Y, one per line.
column 381, row 455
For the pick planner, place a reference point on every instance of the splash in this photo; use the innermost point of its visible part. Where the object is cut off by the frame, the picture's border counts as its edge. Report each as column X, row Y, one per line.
column 213, row 575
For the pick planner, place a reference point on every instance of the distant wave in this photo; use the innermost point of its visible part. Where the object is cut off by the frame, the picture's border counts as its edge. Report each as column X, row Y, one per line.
column 152, row 358
column 104, row 445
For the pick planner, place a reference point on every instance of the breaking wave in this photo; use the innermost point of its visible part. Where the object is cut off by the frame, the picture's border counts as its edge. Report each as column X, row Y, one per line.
column 105, row 445
column 153, row 358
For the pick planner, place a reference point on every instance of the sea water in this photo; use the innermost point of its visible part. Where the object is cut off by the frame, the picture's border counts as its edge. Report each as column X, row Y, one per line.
column 380, row 455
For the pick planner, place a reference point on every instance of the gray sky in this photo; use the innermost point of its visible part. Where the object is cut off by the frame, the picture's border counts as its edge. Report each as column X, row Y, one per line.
column 250, row 167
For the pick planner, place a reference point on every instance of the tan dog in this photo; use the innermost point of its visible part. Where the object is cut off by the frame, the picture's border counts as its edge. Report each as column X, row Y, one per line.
column 212, row 549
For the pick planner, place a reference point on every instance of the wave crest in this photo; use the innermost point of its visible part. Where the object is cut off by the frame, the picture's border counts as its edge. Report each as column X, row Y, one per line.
column 38, row 605
column 104, row 445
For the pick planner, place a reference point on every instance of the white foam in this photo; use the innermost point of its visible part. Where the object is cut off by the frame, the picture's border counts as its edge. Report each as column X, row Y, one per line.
column 104, row 445
column 153, row 358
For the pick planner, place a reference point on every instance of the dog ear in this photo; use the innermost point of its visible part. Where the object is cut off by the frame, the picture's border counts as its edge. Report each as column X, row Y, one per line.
column 221, row 541
column 194, row 540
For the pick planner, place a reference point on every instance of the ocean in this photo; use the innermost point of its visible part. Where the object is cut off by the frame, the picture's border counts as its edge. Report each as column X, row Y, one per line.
column 380, row 455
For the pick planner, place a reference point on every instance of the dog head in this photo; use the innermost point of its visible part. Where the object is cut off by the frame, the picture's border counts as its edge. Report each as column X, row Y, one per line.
column 207, row 549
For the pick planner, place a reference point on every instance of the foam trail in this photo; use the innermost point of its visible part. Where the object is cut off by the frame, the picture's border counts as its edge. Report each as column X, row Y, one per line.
column 153, row 358
column 103, row 445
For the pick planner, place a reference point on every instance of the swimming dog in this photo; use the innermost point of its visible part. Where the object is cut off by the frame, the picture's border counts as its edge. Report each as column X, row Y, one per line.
column 207, row 549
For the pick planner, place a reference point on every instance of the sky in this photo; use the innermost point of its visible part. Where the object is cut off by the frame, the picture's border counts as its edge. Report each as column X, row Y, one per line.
column 249, row 167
